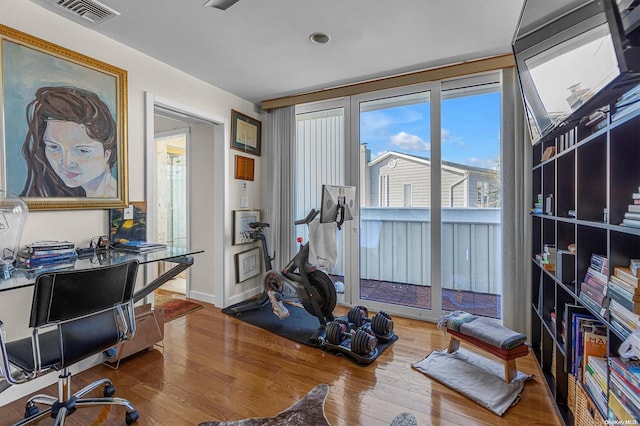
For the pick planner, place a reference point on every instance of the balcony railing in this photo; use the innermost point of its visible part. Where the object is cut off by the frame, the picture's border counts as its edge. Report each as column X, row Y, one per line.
column 395, row 246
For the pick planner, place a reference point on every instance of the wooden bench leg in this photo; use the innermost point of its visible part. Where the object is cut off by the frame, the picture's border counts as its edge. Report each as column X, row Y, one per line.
column 454, row 345
column 510, row 370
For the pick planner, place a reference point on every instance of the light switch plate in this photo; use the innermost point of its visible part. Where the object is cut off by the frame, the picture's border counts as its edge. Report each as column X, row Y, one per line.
column 244, row 202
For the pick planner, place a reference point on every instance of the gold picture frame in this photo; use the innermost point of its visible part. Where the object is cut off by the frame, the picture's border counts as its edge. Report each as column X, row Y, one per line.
column 83, row 163
column 246, row 133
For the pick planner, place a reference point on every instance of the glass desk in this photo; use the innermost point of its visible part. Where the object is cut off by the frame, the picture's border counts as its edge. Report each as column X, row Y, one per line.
column 183, row 259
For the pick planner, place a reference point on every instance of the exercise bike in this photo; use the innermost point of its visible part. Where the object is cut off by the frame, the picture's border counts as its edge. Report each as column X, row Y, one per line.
column 314, row 289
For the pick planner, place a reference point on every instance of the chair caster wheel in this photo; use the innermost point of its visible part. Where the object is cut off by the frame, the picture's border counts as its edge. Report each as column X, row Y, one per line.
column 109, row 391
column 132, row 417
column 31, row 410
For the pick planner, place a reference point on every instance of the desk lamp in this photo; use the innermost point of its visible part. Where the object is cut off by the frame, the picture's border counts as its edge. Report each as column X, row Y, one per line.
column 13, row 216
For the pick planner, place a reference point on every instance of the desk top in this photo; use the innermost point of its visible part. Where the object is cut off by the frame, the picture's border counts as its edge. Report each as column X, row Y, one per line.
column 23, row 278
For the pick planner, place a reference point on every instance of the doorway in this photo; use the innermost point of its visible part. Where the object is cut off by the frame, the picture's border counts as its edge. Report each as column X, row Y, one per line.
column 171, row 192
column 193, row 169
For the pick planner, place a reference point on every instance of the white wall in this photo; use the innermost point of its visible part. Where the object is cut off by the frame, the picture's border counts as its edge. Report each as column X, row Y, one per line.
column 144, row 75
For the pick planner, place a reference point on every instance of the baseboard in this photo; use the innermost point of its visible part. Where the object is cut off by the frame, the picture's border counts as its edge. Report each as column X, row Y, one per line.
column 240, row 297
column 202, row 297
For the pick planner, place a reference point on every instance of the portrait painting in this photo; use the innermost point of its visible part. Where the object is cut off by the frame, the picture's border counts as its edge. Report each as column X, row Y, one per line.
column 64, row 130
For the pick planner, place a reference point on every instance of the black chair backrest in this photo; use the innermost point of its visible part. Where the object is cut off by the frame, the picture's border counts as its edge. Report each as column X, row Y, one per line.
column 62, row 296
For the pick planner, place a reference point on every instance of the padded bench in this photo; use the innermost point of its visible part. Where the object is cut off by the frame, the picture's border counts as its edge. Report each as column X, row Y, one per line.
column 507, row 356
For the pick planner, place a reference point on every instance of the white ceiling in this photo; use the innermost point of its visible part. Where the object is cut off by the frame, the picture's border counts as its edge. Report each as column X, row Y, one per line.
column 260, row 49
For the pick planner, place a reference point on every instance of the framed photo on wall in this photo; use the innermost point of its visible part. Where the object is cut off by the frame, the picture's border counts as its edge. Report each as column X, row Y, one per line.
column 71, row 151
column 247, row 264
column 246, row 133
column 245, row 168
column 241, row 221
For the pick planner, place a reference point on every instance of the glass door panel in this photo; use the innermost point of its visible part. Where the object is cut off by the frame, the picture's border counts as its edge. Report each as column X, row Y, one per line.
column 471, row 214
column 395, row 200
column 320, row 160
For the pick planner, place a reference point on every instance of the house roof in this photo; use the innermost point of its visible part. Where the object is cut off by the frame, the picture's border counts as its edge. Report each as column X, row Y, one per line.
column 448, row 165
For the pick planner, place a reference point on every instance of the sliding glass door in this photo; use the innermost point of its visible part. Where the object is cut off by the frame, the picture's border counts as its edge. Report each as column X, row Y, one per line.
column 395, row 200
column 425, row 160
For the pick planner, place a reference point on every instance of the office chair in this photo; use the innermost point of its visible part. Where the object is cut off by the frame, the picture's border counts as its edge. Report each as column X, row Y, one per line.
column 74, row 315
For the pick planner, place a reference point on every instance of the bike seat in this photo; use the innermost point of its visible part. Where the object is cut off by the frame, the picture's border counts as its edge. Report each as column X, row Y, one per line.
column 254, row 225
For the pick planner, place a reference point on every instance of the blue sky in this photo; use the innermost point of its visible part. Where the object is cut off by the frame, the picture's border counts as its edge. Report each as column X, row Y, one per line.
column 470, row 130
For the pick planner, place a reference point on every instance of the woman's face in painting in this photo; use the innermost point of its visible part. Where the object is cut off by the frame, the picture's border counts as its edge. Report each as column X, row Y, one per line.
column 73, row 155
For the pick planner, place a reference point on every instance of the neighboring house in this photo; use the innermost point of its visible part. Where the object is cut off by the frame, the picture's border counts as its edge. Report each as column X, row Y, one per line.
column 395, row 179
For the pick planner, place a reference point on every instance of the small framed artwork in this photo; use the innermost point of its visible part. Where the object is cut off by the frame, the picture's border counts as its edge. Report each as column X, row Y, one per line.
column 247, row 264
column 241, row 221
column 246, row 133
column 245, row 167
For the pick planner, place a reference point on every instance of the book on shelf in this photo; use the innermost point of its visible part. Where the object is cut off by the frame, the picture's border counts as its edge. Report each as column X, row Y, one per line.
column 581, row 323
column 618, row 412
column 139, row 246
column 596, row 381
column 632, row 216
column 619, row 326
column 632, row 223
column 595, row 277
column 597, row 293
column 595, row 392
column 622, row 312
column 627, row 294
column 634, row 266
column 587, row 301
column 626, row 380
column 599, row 263
column 627, row 397
column 629, row 368
column 624, row 273
column 595, row 345
column 630, row 304
column 633, row 208
column 623, row 284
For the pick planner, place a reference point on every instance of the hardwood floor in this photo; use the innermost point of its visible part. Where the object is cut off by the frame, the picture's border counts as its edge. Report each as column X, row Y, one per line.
column 216, row 367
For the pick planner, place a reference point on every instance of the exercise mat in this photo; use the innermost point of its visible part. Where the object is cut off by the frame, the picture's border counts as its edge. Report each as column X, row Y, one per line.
column 300, row 327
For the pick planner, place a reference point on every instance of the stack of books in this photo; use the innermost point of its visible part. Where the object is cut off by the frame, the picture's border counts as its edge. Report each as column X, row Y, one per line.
column 624, row 390
column 593, row 290
column 49, row 255
column 595, row 376
column 632, row 216
column 625, row 298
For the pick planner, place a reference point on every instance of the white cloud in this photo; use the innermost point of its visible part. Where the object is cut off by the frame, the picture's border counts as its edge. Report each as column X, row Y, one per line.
column 409, row 142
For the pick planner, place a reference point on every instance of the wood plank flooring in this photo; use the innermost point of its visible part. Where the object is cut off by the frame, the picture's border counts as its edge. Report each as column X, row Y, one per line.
column 216, row 367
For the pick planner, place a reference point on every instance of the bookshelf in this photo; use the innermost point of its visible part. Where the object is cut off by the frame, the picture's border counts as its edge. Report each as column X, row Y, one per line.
column 589, row 181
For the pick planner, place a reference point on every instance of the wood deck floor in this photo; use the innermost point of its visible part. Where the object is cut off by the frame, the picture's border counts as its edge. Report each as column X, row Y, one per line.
column 216, row 367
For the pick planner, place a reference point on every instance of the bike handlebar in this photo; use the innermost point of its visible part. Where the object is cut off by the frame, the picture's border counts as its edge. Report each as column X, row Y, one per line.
column 312, row 214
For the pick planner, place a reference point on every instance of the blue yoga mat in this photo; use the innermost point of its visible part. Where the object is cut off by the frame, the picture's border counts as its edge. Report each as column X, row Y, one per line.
column 300, row 326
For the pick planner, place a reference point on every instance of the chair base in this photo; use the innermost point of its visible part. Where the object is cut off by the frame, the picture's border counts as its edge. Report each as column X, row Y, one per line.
column 63, row 406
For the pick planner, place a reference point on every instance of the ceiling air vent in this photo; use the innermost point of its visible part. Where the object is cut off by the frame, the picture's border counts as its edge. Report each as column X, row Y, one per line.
column 87, row 10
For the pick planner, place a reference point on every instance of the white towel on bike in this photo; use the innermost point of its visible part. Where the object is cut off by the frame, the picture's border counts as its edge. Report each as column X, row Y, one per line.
column 323, row 249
